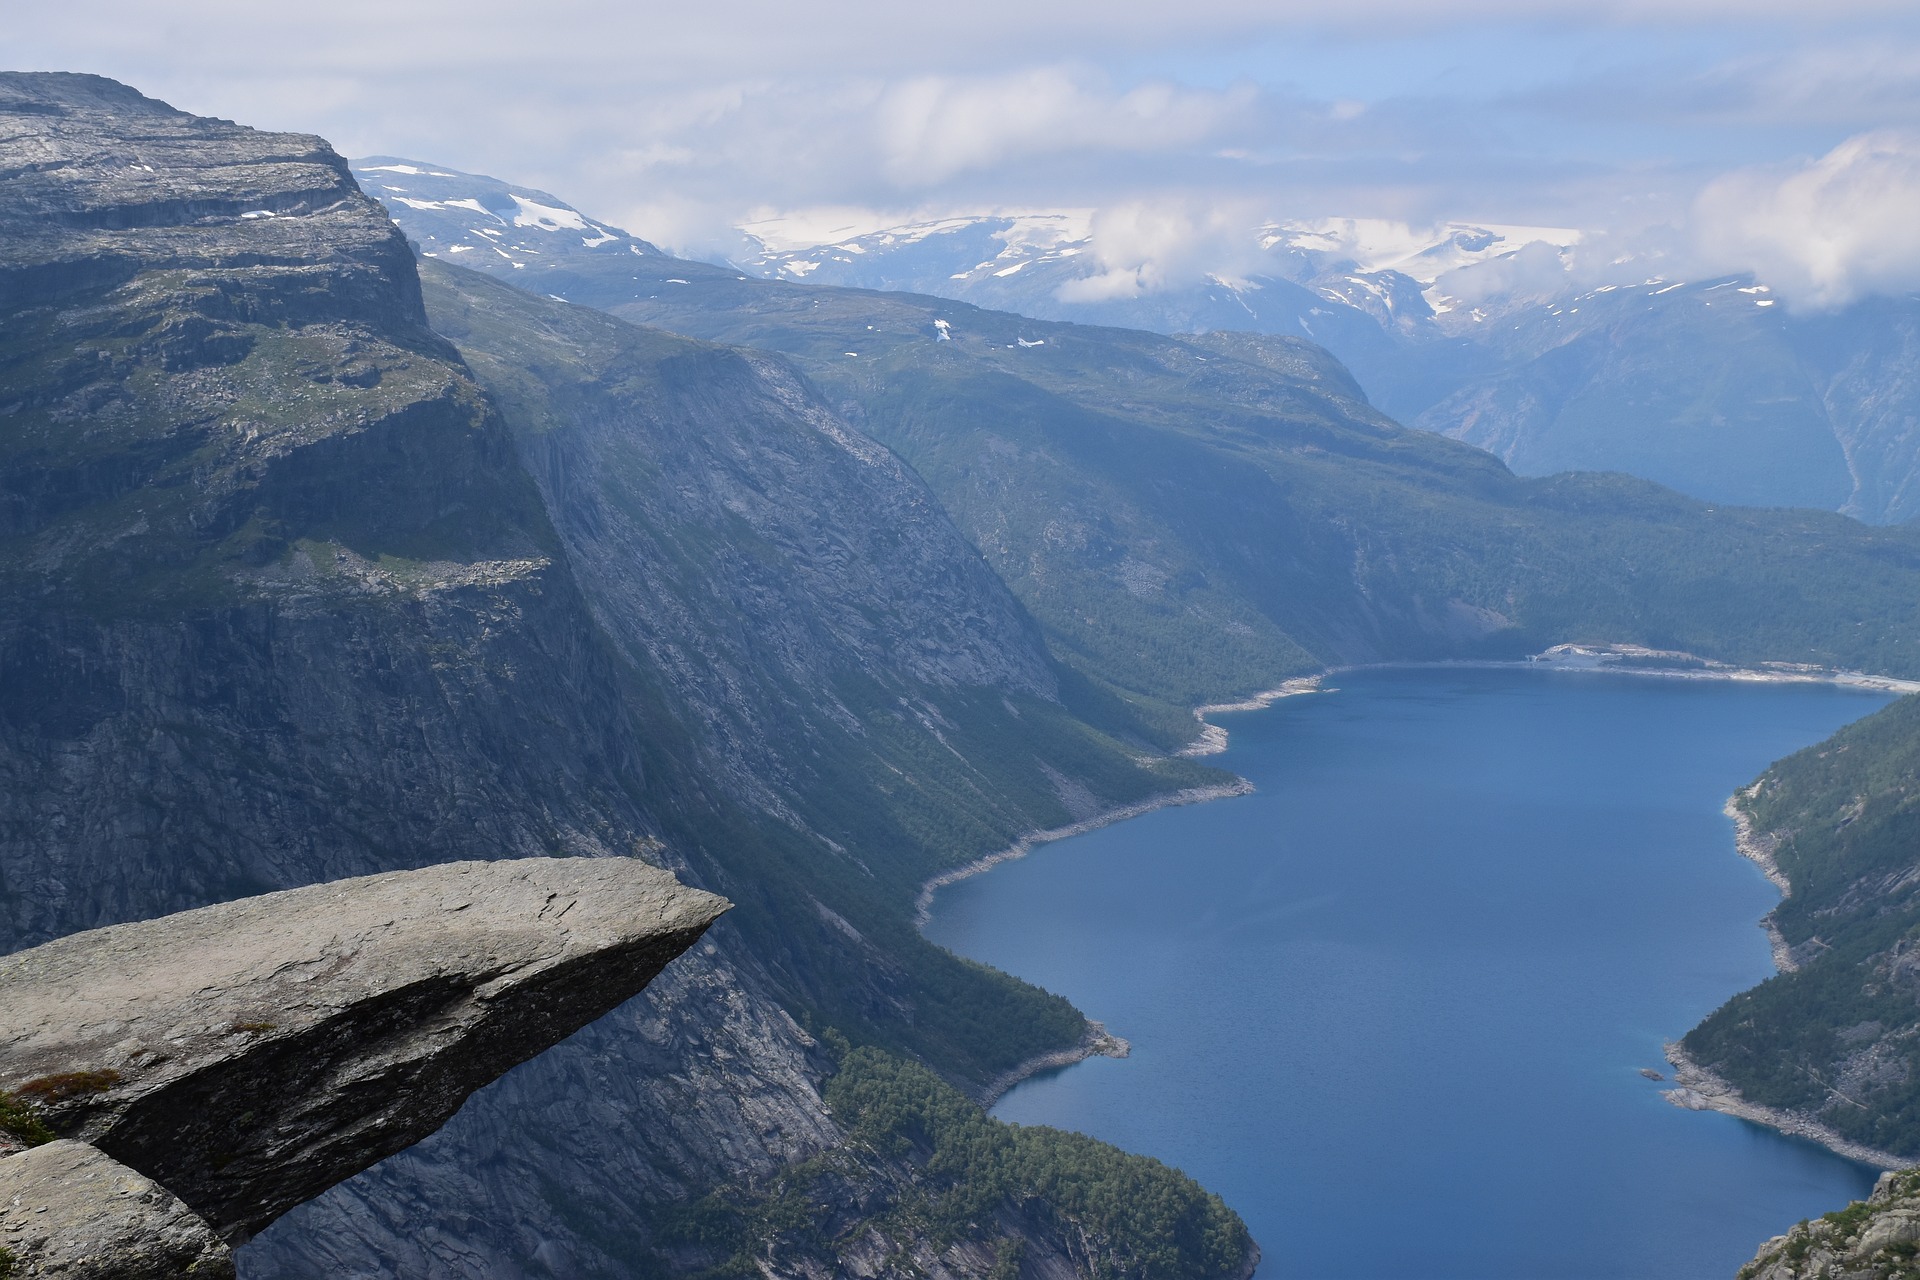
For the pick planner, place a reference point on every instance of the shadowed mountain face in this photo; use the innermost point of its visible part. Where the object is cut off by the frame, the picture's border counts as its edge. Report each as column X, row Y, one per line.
column 1716, row 388
column 293, row 591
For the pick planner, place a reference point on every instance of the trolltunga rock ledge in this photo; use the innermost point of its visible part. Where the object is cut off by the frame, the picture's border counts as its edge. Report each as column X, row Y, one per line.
column 247, row 1056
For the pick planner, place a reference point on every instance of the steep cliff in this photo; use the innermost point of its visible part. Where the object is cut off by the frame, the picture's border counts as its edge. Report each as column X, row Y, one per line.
column 288, row 598
column 1873, row 1239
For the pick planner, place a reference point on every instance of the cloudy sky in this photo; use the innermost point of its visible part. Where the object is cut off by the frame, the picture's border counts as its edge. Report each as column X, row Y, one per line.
column 1755, row 133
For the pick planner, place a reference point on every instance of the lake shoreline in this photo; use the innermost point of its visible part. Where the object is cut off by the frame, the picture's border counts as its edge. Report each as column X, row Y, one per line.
column 1620, row 660
column 1213, row 739
column 923, row 904
column 1624, row 660
column 1698, row 1089
column 1033, row 910
column 1758, row 850
column 1095, row 1042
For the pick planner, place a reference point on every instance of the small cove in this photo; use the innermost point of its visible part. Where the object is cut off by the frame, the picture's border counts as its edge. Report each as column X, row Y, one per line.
column 1393, row 1005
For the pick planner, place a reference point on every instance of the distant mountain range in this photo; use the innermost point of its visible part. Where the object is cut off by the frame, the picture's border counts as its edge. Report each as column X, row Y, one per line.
column 1718, row 387
column 1715, row 387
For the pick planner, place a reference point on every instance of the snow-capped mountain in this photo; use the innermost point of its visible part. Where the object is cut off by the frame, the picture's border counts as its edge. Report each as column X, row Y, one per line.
column 1052, row 264
column 1484, row 333
column 458, row 216
column 1387, row 299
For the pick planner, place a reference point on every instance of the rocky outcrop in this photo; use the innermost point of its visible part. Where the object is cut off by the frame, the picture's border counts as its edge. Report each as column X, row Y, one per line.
column 69, row 1210
column 249, row 1055
column 1873, row 1239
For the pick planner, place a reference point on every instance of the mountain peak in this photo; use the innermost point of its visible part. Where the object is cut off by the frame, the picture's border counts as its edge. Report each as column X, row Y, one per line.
column 457, row 214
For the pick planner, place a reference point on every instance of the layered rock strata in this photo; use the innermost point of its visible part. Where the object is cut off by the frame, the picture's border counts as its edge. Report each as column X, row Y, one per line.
column 247, row 1056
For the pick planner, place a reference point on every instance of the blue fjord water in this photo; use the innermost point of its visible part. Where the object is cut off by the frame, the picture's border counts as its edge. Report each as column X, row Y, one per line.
column 1393, row 1005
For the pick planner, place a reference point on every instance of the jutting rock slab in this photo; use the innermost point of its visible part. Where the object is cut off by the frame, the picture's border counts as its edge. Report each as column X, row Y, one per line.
column 247, row 1056
column 68, row 1210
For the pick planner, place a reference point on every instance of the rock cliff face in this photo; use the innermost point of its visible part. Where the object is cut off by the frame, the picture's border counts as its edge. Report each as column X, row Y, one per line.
column 286, row 597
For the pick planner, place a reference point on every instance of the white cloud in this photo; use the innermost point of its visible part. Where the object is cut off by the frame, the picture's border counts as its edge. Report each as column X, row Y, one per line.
column 679, row 121
column 934, row 127
column 1823, row 233
column 1145, row 246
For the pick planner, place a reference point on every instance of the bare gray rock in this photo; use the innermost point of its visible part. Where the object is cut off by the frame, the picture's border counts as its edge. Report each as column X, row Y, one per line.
column 1871, row 1239
column 71, row 1211
column 252, row 1054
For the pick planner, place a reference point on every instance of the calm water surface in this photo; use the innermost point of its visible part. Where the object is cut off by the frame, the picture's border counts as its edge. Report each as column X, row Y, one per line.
column 1393, row 1006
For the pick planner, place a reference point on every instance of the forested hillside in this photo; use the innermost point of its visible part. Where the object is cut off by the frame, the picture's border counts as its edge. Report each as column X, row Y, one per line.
column 1838, row 1038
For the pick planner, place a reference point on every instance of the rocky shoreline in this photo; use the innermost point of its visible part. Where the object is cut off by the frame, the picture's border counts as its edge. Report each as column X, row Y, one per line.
column 1758, row 850
column 1698, row 1089
column 1213, row 739
column 1634, row 660
column 1095, row 1042
column 923, row 905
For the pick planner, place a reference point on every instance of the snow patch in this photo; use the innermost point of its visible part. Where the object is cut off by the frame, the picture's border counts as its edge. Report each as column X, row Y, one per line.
column 546, row 217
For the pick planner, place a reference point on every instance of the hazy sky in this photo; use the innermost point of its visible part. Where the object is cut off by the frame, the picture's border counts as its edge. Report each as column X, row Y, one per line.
column 1756, row 131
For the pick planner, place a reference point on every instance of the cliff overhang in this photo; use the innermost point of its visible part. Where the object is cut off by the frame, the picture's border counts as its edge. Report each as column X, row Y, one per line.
column 207, row 1071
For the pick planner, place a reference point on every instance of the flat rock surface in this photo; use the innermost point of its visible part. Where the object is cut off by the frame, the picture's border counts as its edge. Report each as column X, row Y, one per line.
column 251, row 1054
column 68, row 1210
column 91, row 168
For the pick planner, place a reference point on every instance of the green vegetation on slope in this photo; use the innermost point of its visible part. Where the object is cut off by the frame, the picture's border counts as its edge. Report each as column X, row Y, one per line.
column 954, row 1177
column 20, row 1121
column 1873, row 1239
column 1839, row 1038
column 1190, row 519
